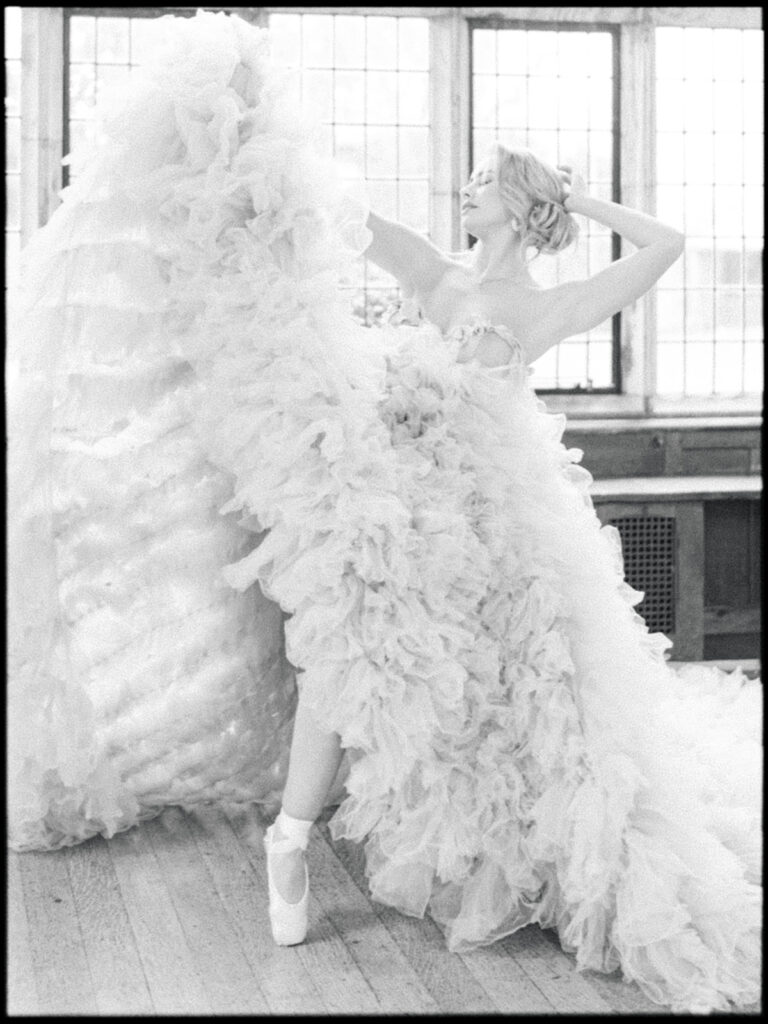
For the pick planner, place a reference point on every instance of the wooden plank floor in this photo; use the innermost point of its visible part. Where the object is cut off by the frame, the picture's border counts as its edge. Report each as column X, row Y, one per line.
column 170, row 918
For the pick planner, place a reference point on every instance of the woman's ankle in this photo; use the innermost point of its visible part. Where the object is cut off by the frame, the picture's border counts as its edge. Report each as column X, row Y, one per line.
column 289, row 827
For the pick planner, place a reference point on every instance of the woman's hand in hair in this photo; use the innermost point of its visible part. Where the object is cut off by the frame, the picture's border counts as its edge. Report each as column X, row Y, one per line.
column 574, row 187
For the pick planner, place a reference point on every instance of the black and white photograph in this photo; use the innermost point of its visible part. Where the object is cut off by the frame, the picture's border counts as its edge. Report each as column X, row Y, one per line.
column 384, row 394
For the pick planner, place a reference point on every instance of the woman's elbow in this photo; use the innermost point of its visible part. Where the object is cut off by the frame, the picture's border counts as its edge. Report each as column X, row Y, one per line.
column 668, row 249
column 677, row 243
column 667, row 240
column 673, row 243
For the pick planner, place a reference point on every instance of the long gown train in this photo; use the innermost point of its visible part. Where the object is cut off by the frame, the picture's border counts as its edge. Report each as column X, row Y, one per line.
column 221, row 486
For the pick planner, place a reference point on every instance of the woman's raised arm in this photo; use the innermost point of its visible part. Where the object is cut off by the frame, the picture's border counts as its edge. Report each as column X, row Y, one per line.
column 410, row 257
column 578, row 306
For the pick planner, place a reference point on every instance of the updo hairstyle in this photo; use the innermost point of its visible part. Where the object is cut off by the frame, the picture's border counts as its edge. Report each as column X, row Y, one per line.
column 533, row 195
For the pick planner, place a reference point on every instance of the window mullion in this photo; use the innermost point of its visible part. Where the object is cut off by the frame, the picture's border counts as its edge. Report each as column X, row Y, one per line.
column 462, row 119
column 638, row 160
column 42, row 74
column 441, row 40
column 649, row 142
column 449, row 110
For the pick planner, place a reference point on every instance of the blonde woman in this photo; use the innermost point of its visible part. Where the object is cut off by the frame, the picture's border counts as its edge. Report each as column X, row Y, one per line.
column 517, row 207
column 224, row 492
column 488, row 301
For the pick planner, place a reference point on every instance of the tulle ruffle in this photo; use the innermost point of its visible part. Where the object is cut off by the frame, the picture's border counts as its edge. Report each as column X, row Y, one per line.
column 512, row 753
column 137, row 677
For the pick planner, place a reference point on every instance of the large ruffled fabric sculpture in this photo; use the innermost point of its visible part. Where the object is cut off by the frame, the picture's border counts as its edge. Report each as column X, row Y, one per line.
column 221, row 485
column 201, row 220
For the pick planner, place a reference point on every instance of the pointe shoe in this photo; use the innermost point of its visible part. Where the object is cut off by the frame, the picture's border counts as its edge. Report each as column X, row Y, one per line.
column 288, row 920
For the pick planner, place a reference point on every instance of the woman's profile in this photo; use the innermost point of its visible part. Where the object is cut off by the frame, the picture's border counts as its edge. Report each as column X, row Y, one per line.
column 249, row 536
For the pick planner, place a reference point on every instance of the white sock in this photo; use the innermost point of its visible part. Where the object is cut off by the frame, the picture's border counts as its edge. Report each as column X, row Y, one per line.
column 296, row 829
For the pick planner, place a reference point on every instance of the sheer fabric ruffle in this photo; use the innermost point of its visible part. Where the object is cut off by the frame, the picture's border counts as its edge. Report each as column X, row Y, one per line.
column 200, row 212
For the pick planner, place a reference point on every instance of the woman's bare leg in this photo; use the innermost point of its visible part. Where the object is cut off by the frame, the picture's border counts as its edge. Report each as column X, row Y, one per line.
column 314, row 761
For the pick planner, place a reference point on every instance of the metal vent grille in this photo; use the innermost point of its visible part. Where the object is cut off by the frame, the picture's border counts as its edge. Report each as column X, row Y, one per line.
column 648, row 543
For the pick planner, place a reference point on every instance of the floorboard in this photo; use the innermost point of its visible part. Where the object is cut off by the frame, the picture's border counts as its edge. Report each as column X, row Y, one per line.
column 451, row 984
column 287, row 986
column 169, row 966
column 553, row 973
column 170, row 919
column 229, row 981
column 117, row 976
column 21, row 988
column 324, row 955
column 397, row 987
column 59, row 961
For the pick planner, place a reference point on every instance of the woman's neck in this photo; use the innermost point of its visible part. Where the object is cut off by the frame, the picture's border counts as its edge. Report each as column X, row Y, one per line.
column 499, row 258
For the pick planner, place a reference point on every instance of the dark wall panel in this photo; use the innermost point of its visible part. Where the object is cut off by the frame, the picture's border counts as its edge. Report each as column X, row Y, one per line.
column 612, row 452
column 731, row 554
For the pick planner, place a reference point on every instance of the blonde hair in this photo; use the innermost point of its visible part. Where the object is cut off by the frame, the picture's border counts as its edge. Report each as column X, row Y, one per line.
column 533, row 195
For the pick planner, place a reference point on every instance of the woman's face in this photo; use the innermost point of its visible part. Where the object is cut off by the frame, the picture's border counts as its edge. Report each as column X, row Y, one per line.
column 481, row 205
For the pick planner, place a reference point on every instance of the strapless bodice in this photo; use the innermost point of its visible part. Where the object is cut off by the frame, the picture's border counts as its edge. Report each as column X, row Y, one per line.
column 468, row 333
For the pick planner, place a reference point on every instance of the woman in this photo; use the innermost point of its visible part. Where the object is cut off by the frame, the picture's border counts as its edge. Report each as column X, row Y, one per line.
column 488, row 300
column 513, row 203
column 194, row 412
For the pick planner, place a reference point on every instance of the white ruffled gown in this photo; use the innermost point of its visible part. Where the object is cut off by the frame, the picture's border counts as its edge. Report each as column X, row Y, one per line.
column 219, row 483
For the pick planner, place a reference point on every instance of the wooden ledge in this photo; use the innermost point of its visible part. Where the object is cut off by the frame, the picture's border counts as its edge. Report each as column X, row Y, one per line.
column 750, row 666
column 618, row 425
column 681, row 488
